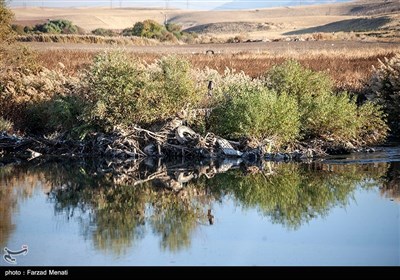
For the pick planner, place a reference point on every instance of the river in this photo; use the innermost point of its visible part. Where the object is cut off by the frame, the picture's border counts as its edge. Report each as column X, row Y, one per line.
column 336, row 211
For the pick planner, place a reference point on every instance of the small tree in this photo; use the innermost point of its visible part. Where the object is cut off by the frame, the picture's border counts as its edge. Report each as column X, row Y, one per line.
column 60, row 26
column 148, row 28
column 175, row 29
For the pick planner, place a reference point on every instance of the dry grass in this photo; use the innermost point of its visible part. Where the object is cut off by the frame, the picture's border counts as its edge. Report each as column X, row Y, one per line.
column 349, row 69
column 281, row 20
column 87, row 39
column 70, row 61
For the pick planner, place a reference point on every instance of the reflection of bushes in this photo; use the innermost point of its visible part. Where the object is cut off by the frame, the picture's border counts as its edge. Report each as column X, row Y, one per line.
column 16, row 184
column 115, row 217
column 391, row 186
column 119, row 217
column 293, row 195
column 175, row 218
column 120, row 213
column 8, row 203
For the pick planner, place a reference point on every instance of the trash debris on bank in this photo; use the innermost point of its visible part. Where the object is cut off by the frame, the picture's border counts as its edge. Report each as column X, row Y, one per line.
column 174, row 139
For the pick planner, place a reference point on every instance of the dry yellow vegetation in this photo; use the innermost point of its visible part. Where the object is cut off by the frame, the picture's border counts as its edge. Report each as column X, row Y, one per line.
column 278, row 20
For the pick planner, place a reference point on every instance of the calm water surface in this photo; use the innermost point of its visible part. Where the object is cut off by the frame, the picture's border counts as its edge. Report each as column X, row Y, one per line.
column 340, row 211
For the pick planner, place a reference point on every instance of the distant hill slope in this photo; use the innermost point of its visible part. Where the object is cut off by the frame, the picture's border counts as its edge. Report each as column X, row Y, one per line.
column 358, row 24
column 249, row 5
column 286, row 18
column 233, row 27
column 375, row 7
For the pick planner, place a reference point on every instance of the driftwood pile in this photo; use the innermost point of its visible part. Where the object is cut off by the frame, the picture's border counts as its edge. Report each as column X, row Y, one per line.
column 173, row 139
column 123, row 144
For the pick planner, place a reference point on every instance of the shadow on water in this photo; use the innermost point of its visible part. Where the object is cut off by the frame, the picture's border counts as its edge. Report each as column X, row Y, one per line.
column 116, row 205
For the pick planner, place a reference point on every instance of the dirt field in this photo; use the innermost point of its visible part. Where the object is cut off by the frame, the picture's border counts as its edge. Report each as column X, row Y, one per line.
column 277, row 48
column 280, row 20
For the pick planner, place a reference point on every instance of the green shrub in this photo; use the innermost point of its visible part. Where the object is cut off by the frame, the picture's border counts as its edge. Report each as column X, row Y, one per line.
column 337, row 117
column 372, row 126
column 323, row 114
column 258, row 114
column 28, row 29
column 332, row 116
column 65, row 112
column 385, row 89
column 103, row 32
column 174, row 29
column 303, row 83
column 230, row 83
column 61, row 113
column 148, row 28
column 60, row 26
column 291, row 77
column 125, row 92
column 127, row 31
column 115, row 82
column 169, row 88
column 151, row 29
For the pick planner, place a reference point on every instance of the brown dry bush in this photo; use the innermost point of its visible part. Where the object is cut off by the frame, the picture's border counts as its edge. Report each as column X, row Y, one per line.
column 348, row 70
column 385, row 89
column 87, row 39
column 21, row 92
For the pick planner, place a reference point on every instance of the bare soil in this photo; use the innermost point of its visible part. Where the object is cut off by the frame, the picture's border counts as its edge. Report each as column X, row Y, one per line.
column 252, row 47
column 281, row 20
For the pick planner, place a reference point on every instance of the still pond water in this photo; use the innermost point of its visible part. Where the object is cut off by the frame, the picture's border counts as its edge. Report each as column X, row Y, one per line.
column 340, row 211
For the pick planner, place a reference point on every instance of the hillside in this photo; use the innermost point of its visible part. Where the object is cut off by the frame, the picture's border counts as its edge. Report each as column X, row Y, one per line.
column 367, row 8
column 248, row 5
column 266, row 23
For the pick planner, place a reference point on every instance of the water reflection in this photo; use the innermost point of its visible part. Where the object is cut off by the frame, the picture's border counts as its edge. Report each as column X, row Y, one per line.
column 391, row 186
column 16, row 184
column 117, row 204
